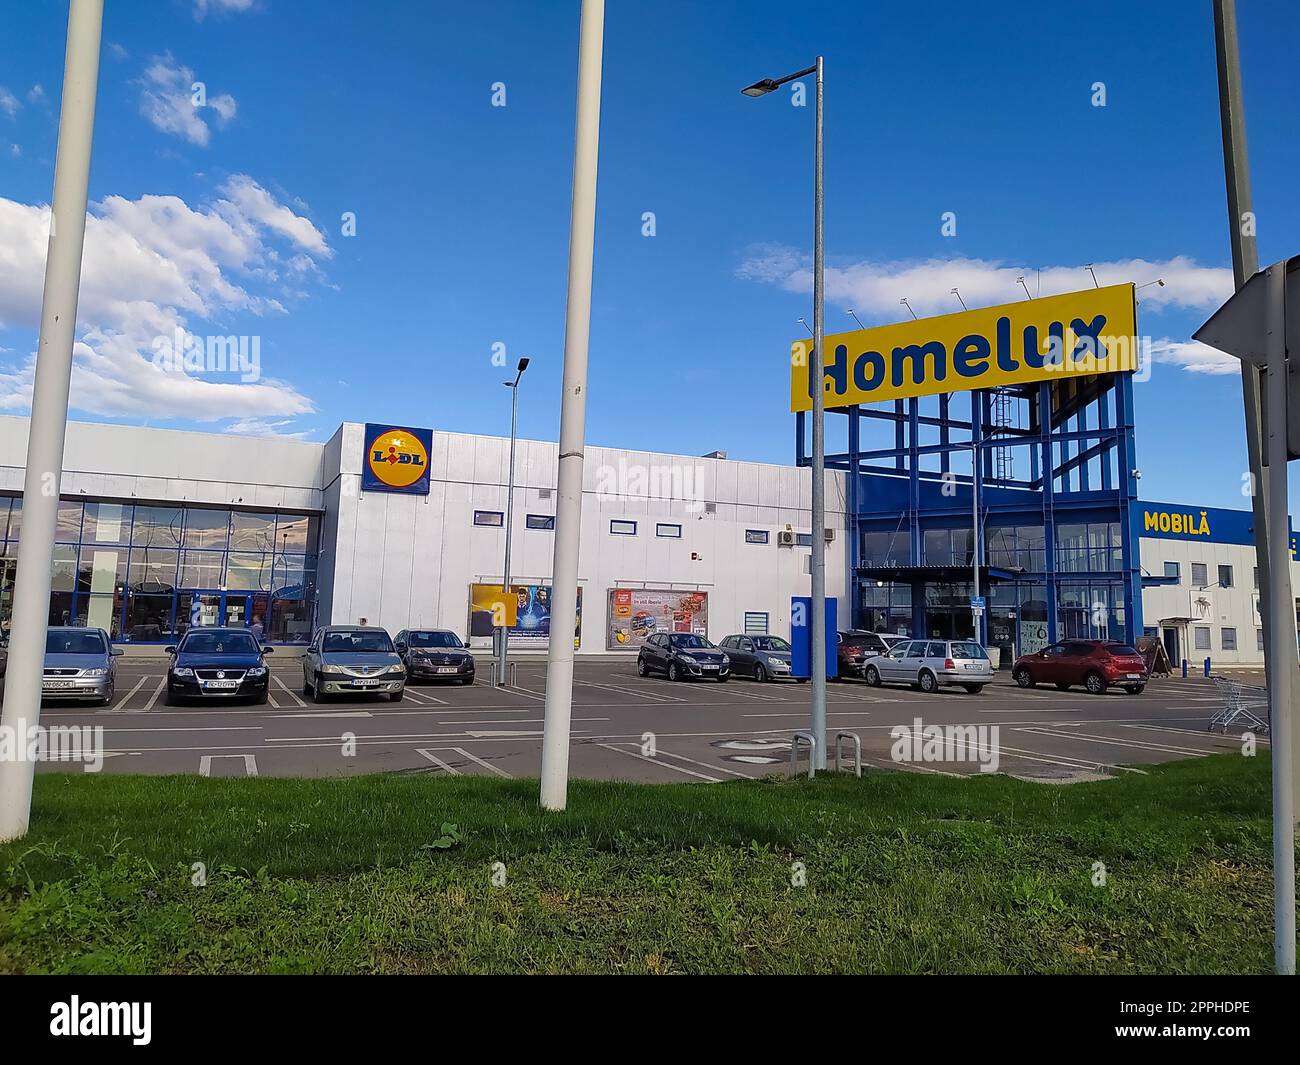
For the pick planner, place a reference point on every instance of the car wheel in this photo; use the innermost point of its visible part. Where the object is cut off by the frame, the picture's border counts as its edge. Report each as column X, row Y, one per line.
column 396, row 697
column 317, row 696
column 1137, row 689
column 641, row 669
column 974, row 689
column 1022, row 678
column 1095, row 683
column 1062, row 687
column 927, row 682
column 760, row 674
column 873, row 677
column 673, row 672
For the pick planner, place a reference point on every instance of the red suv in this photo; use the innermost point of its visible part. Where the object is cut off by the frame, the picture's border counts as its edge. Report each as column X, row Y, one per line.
column 1096, row 664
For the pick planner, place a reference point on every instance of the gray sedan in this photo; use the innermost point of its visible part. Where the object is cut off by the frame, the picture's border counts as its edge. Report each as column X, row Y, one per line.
column 353, row 660
column 79, row 664
column 759, row 656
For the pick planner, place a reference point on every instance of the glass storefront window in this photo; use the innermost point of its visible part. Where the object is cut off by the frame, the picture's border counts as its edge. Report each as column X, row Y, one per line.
column 296, row 532
column 64, row 575
column 249, row 571
column 206, row 528
column 101, row 571
column 148, row 617
column 156, row 527
column 938, row 547
column 68, row 530
column 106, row 523
column 99, row 612
column 252, row 532
column 290, row 621
column 885, row 548
column 60, row 608
column 201, row 569
column 153, row 570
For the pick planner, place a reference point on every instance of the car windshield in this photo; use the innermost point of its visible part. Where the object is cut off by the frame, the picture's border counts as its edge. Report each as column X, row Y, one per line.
column 1122, row 649
column 770, row 643
column 366, row 641
column 74, row 643
column 433, row 639
column 689, row 640
column 968, row 650
column 219, row 643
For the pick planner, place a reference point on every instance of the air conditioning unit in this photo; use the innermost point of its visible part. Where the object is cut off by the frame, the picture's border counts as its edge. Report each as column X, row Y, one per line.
column 828, row 535
column 785, row 538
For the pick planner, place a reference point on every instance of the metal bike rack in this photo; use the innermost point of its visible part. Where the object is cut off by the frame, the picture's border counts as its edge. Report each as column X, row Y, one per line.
column 811, row 740
column 857, row 751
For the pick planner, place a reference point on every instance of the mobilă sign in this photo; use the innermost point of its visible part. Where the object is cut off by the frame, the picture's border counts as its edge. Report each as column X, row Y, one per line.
column 396, row 459
column 1078, row 334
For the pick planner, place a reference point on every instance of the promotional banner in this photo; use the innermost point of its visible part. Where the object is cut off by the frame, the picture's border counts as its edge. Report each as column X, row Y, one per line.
column 635, row 614
column 530, row 623
column 1078, row 334
column 396, row 459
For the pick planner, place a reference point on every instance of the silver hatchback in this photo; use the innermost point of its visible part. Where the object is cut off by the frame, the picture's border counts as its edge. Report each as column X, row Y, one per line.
column 931, row 664
column 353, row 660
column 79, row 664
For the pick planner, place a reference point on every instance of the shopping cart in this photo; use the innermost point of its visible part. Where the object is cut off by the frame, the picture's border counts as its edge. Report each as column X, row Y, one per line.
column 1242, row 703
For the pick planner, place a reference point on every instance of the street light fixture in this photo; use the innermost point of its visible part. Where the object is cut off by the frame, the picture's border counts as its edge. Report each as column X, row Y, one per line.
column 504, row 631
column 815, row 372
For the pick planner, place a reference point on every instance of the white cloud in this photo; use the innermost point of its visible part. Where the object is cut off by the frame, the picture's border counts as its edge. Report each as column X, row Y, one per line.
column 874, row 289
column 255, row 203
column 263, row 427
column 151, row 266
column 202, row 7
column 167, row 101
column 1194, row 357
column 117, row 51
column 9, row 103
column 36, row 94
column 16, row 150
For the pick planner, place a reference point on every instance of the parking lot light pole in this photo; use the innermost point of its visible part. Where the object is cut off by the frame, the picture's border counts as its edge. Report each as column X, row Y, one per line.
column 49, row 421
column 573, row 414
column 815, row 373
column 510, row 509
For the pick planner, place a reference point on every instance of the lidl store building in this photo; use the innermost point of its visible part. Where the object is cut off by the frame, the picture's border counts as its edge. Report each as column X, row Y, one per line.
column 160, row 530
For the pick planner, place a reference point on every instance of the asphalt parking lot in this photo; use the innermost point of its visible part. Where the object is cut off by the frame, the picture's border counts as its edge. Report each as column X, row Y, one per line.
column 626, row 727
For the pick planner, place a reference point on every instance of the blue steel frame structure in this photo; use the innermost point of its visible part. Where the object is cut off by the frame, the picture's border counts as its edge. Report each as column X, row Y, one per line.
column 1080, row 444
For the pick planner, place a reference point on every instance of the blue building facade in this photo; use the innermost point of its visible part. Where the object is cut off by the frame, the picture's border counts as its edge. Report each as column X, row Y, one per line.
column 1053, row 467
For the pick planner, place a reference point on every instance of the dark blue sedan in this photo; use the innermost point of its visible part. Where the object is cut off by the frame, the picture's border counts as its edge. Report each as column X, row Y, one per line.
column 214, row 664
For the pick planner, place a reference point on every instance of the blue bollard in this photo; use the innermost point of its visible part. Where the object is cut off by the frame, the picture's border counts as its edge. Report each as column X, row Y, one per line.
column 1207, row 667
column 1184, row 669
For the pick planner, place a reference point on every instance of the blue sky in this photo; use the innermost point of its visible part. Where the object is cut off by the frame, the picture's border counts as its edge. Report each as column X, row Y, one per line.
column 226, row 219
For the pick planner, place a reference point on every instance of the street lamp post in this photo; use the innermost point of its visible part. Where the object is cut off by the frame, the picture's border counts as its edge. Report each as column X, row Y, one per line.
column 815, row 373
column 510, row 510
column 49, row 421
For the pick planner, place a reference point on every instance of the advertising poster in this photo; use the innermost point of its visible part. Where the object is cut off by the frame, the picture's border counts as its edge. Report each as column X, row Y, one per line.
column 532, row 620
column 635, row 614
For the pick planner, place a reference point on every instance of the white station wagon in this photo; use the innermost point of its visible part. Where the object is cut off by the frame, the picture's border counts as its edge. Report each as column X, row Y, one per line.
column 930, row 664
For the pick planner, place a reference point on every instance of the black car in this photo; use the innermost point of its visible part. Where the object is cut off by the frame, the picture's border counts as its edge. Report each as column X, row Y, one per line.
column 682, row 655
column 434, row 654
column 217, row 664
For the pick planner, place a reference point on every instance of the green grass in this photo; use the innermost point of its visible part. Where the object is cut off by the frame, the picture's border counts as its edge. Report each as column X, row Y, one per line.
column 905, row 873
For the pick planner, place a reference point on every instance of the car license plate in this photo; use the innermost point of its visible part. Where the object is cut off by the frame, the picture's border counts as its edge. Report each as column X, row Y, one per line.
column 366, row 683
column 448, row 669
column 221, row 684
column 974, row 665
column 58, row 685
column 707, row 665
column 1135, row 676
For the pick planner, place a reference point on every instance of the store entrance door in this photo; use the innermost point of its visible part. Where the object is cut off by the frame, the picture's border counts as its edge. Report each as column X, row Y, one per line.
column 195, row 609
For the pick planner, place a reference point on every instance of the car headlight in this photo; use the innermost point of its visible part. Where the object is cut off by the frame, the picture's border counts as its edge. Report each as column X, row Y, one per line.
column 399, row 668
column 182, row 671
column 98, row 671
column 331, row 669
column 256, row 671
column 726, row 660
column 686, row 658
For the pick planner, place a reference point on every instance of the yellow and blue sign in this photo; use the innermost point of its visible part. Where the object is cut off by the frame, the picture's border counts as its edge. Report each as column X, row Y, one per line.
column 1078, row 334
column 396, row 459
column 1175, row 521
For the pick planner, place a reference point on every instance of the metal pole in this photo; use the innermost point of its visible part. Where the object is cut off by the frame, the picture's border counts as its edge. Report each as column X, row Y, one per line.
column 510, row 510
column 573, row 413
column 45, row 435
column 1280, row 634
column 819, row 451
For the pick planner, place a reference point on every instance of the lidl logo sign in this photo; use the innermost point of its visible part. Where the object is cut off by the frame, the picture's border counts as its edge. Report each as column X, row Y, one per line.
column 1079, row 334
column 396, row 459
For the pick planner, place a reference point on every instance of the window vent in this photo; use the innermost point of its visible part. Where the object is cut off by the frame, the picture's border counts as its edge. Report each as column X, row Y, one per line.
column 710, row 508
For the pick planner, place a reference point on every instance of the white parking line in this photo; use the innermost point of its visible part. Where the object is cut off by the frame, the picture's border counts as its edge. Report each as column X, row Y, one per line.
column 156, row 692
column 656, row 696
column 486, row 765
column 1159, row 748
column 424, row 697
column 122, row 701
column 706, row 765
column 250, row 763
column 425, row 752
column 292, row 695
column 656, row 761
